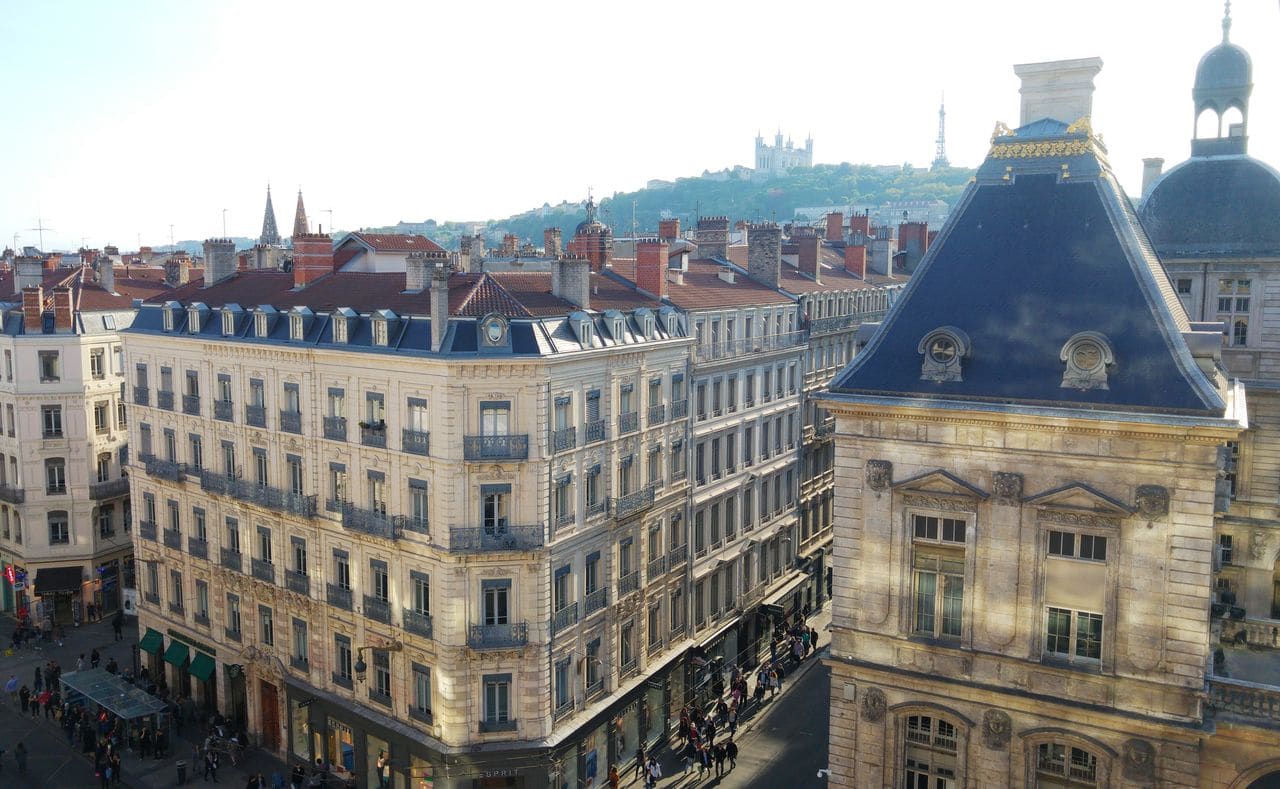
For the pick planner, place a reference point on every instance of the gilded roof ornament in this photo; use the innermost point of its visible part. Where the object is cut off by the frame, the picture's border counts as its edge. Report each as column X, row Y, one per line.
column 1001, row 130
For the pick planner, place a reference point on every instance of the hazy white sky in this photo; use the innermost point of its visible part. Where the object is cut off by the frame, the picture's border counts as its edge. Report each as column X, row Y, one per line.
column 122, row 118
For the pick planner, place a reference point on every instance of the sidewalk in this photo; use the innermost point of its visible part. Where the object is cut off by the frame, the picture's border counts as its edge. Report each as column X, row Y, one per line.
column 672, row 761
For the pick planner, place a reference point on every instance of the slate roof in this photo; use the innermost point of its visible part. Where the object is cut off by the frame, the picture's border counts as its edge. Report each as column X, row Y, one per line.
column 1215, row 206
column 1028, row 259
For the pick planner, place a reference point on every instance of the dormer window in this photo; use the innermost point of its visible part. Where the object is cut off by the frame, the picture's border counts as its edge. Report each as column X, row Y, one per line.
column 670, row 319
column 615, row 321
column 193, row 319
column 382, row 323
column 168, row 318
column 340, row 329
column 944, row 349
column 260, row 324
column 295, row 327
column 644, row 319
column 379, row 331
column 1087, row 355
column 228, row 323
column 582, row 327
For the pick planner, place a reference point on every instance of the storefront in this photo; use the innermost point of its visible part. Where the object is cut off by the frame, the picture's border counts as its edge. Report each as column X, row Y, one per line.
column 813, row 590
column 60, row 590
column 152, row 645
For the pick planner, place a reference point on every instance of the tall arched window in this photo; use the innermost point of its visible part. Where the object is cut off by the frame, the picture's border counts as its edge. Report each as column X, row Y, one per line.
column 1062, row 765
column 930, row 753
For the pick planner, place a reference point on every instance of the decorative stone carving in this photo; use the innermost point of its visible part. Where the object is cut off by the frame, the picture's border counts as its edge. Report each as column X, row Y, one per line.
column 874, row 705
column 997, row 727
column 1139, row 760
column 1152, row 501
column 1007, row 487
column 938, row 502
column 879, row 474
column 1087, row 355
column 1258, row 544
column 1080, row 519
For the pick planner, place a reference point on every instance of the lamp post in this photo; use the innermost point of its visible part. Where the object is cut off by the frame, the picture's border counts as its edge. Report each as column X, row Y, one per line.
column 361, row 668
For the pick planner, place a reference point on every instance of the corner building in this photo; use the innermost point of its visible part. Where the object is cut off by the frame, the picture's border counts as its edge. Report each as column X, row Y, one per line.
column 1028, row 455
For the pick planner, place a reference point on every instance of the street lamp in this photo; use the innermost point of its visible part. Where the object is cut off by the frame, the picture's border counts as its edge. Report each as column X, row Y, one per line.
column 361, row 668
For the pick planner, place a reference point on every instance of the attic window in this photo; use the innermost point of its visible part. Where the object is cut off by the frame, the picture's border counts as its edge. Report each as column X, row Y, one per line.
column 669, row 318
column 228, row 323
column 944, row 349
column 644, row 318
column 581, row 324
column 1087, row 355
column 295, row 327
column 379, row 331
column 339, row 328
column 260, row 324
column 168, row 318
column 193, row 320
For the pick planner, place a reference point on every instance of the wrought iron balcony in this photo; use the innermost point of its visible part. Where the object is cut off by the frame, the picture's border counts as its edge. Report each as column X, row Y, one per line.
column 198, row 548
column 565, row 617
column 563, row 708
column 373, row 434
column 594, row 601
column 832, row 324
column 564, row 438
column 163, row 469
column 173, row 538
column 417, row 622
column 224, row 410
column 255, row 415
column 598, row 507
column 656, row 567
column 299, row 663
column 597, row 431
column 678, row 554
column 629, row 583
column 147, row 530
column 191, row 404
column 164, row 400
column 632, row 503
column 338, row 597
column 262, row 495
column 507, row 636
column 657, row 414
column 373, row 522
column 290, row 421
column 232, row 559
column 233, row 635
column 298, row 582
column 492, row 726
column 679, row 409
column 509, row 447
column 746, row 346
column 109, row 489
column 264, row 570
column 565, row 519
column 378, row 696
column 415, row 442
column 377, row 609
column 485, row 539
column 679, row 472
column 12, row 495
column 416, row 524
column 628, row 423
column 141, row 395
column 201, row 619
column 335, row 428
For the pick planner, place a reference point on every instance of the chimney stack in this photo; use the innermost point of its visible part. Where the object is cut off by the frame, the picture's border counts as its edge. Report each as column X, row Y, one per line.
column 439, row 304
column 28, row 272
column 62, row 312
column 415, row 272
column 571, row 280
column 855, row 260
column 810, row 248
column 106, row 273
column 552, row 245
column 220, row 260
column 651, row 266
column 712, row 237
column 32, row 308
column 668, row 229
column 510, row 245
column 764, row 253
column 1060, row 89
column 1151, row 169
column 177, row 270
column 860, row 223
column 913, row 238
column 835, row 226
column 473, row 252
column 312, row 258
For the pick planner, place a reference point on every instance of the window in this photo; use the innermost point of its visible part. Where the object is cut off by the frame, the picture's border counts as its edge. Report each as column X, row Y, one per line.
column 51, row 418
column 294, row 464
column 339, row 329
column 338, row 483
column 299, row 549
column 229, row 467
column 301, row 650
column 938, row 576
column 495, row 418
column 197, row 451
column 927, row 528
column 98, row 363
column 1077, row 546
column 562, row 505
column 261, row 468
column 199, row 527
column 594, row 673
column 930, row 752
column 420, row 584
column 381, row 585
column 233, row 615
column 59, row 530
column 153, row 579
column 266, row 626
column 591, row 573
column 496, row 601
column 175, row 591
column 1225, row 548
column 563, row 690
column 105, row 526
column 493, row 508
column 497, row 699
column 8, row 365
column 377, row 483
column 170, row 445
column 292, row 401
column 341, row 570
column 419, row 505
column 626, row 645
column 421, row 703
column 1065, row 765
column 1233, row 308
column 264, row 544
column 1183, row 286
column 342, row 659
column 374, row 411
column 50, row 366
column 202, row 601
column 257, row 393
column 175, row 519
column 55, row 475
column 1074, row 636
column 655, row 624
column 233, row 535
column 418, row 415
column 337, row 403
column 379, row 332
column 193, row 383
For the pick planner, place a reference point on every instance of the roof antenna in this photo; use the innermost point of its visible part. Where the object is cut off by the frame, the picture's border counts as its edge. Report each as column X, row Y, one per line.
column 1226, row 22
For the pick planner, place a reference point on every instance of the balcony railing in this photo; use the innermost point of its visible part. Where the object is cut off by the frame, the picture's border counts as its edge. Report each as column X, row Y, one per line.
column 594, row 601
column 493, row 726
column 512, row 447
column 632, row 503
column 628, row 423
column 374, row 522
column 164, row 400
column 338, row 596
column 628, row 583
column 563, row 708
column 679, row 409
column 832, row 324
column 255, row 415
column 141, row 395
column 290, row 421
column 262, row 495
column 564, row 617
column 1248, row 699
column 597, row 431
column 191, row 404
column 415, row 442
column 12, row 495
column 198, row 548
column 109, row 489
column 373, row 434
column 678, row 554
column 224, row 410
column 484, row 539
column 232, row 560
column 147, row 530
column 264, row 570
column 416, row 524
column 298, row 582
column 335, row 428
column 656, row 568
column 417, row 622
column 508, row 636
column 163, row 469
column 729, row 349
column 598, row 507
column 564, row 438
column 657, row 414
column 173, row 538
column 377, row 609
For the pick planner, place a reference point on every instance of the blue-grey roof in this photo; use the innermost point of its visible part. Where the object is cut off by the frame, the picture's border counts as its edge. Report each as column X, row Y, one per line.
column 1214, row 206
column 1043, row 246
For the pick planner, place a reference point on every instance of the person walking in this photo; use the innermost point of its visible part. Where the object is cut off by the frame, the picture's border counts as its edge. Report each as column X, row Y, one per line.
column 211, row 765
column 640, row 762
column 731, row 753
column 24, row 696
column 94, row 659
column 117, row 624
column 80, row 662
column 654, row 771
column 297, row 777
column 614, row 778
column 20, row 756
column 39, row 680
column 11, row 687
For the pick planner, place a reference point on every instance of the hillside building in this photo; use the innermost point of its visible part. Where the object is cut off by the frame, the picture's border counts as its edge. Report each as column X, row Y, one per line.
column 776, row 160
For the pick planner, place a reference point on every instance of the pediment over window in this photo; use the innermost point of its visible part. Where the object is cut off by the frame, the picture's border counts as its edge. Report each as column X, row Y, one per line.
column 1080, row 497
column 939, row 481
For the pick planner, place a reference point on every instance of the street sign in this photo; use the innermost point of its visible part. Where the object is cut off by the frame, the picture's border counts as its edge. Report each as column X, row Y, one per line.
column 18, row 586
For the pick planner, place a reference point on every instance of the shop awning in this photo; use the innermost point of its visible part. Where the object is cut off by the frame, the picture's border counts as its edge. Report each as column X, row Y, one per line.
column 151, row 641
column 51, row 580
column 202, row 667
column 176, row 654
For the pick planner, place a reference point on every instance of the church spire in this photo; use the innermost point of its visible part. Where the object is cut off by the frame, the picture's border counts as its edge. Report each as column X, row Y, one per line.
column 270, row 235
column 300, row 218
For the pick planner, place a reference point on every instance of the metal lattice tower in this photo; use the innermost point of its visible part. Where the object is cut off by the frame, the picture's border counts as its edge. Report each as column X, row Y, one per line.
column 940, row 154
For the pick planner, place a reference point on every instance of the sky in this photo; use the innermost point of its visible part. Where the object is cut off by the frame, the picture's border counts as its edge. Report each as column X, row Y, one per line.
column 125, row 119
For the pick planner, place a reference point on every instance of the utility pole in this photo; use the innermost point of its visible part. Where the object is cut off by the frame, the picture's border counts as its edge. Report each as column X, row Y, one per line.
column 224, row 223
column 171, row 238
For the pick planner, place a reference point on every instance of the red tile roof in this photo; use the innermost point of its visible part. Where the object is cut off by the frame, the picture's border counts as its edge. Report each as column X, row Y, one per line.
column 703, row 289
column 397, row 242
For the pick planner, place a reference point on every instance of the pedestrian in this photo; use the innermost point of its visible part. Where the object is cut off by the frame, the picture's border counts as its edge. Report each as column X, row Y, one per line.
column 254, row 782
column 614, row 778
column 718, row 754
column 733, row 719
column 640, row 761
column 112, row 667
column 211, row 765
column 24, row 696
column 731, row 753
column 39, row 680
column 117, row 624
column 655, row 772
column 94, row 659
column 11, row 687
column 384, row 770
column 297, row 777
column 20, row 756
column 80, row 662
column 144, row 742
column 813, row 638
column 160, row 743
column 104, row 775
column 773, row 682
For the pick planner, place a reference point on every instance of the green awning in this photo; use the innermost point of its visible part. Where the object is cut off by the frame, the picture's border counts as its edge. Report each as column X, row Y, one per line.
column 202, row 667
column 176, row 654
column 152, row 641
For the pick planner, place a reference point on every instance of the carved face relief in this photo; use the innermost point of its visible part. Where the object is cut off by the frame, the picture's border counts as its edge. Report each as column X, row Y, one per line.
column 1008, row 487
column 1139, row 760
column 996, row 729
column 879, row 474
column 874, row 705
column 1152, row 501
